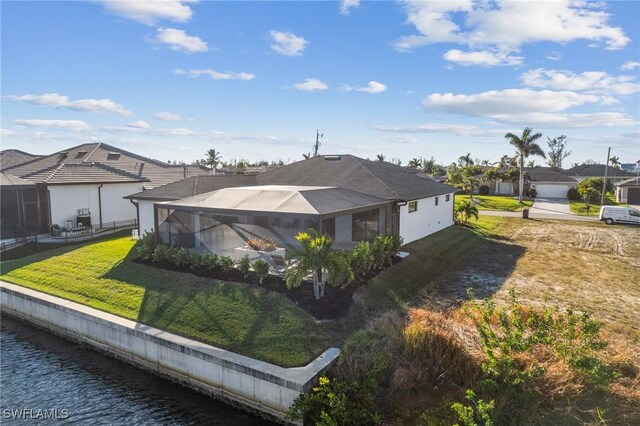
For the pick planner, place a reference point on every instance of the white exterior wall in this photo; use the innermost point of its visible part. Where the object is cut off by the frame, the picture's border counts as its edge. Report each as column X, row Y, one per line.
column 147, row 218
column 622, row 194
column 67, row 199
column 428, row 219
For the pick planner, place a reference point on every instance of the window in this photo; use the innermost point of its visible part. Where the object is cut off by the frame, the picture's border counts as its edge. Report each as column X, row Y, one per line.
column 447, row 197
column 81, row 154
column 329, row 227
column 437, row 201
column 113, row 156
column 364, row 225
column 634, row 213
column 413, row 206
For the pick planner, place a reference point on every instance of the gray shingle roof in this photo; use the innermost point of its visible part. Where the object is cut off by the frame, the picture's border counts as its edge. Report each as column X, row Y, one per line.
column 379, row 179
column 7, row 180
column 194, row 186
column 547, row 174
column 596, row 170
column 14, row 157
column 153, row 172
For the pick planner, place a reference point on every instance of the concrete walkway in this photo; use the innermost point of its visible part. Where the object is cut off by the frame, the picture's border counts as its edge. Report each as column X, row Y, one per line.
column 551, row 206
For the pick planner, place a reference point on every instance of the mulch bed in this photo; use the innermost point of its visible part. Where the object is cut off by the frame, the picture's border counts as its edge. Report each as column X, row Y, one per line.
column 335, row 303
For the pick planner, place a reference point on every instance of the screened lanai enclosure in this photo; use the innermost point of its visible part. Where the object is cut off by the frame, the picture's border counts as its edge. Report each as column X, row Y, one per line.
column 226, row 220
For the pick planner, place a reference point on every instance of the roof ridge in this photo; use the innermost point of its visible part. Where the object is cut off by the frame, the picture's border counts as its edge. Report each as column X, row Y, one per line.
column 54, row 172
column 360, row 160
column 117, row 171
column 41, row 157
column 92, row 152
column 137, row 156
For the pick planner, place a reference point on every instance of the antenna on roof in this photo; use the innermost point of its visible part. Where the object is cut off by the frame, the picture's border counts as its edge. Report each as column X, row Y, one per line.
column 317, row 145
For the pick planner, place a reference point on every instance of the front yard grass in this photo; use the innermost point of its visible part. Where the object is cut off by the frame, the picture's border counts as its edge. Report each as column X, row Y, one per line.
column 496, row 202
column 580, row 208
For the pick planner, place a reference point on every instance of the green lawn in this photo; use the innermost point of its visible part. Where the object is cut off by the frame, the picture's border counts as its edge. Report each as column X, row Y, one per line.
column 579, row 207
column 496, row 202
column 234, row 316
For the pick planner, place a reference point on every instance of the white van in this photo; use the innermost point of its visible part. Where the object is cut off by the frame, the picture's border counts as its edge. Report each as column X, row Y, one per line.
column 614, row 214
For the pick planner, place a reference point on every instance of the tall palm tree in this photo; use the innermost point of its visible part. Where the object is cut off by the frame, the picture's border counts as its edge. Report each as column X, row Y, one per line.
column 465, row 160
column 380, row 157
column 525, row 146
column 213, row 159
column 506, row 162
column 316, row 257
column 615, row 162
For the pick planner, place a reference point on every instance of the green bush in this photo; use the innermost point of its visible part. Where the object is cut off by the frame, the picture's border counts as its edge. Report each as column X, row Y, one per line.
column 361, row 259
column 181, row 257
column 337, row 403
column 161, row 253
column 146, row 246
column 209, row 261
column 260, row 270
column 244, row 266
column 383, row 249
column 225, row 263
column 573, row 194
column 483, row 190
column 479, row 413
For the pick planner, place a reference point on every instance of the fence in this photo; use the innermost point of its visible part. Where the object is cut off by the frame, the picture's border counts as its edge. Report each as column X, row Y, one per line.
column 70, row 236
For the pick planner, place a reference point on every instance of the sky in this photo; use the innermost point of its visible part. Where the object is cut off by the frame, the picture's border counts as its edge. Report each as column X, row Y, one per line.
column 170, row 79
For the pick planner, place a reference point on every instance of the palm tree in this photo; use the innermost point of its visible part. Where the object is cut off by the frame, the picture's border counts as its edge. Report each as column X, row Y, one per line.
column 380, row 157
column 316, row 257
column 465, row 160
column 615, row 162
column 464, row 210
column 306, row 156
column 213, row 159
column 468, row 181
column 525, row 146
column 415, row 163
column 506, row 162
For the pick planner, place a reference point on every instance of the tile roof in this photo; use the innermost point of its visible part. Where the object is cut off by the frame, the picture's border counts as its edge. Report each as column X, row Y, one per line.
column 379, row 179
column 153, row 172
column 13, row 157
column 194, row 186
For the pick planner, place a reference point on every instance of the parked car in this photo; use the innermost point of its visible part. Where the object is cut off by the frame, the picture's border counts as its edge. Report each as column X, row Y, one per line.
column 614, row 214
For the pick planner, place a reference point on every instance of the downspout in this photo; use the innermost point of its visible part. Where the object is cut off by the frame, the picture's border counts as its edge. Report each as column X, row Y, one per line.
column 100, row 203
column 137, row 215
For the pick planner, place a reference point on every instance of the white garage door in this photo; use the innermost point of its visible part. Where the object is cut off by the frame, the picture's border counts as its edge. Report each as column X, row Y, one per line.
column 552, row 191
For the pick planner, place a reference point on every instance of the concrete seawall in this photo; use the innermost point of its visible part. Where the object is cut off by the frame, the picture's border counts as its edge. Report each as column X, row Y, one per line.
column 246, row 382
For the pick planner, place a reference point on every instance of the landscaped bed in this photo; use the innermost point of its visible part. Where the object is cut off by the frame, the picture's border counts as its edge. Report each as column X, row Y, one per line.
column 580, row 208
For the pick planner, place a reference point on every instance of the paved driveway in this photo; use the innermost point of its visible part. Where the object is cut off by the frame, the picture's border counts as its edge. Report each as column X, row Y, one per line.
column 558, row 206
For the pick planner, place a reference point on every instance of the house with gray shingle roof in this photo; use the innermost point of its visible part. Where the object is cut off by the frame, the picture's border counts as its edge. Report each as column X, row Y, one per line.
column 347, row 197
column 83, row 184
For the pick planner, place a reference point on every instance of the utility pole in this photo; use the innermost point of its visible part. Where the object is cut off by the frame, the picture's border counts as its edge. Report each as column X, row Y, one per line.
column 317, row 145
column 604, row 184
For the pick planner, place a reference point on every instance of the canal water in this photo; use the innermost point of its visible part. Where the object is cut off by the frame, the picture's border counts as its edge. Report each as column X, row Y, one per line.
column 46, row 376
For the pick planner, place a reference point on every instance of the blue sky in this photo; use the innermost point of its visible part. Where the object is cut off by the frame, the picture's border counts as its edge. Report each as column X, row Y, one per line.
column 170, row 79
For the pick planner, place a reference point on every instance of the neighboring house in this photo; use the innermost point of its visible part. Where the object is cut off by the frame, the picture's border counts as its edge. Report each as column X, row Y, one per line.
column 628, row 191
column 14, row 157
column 631, row 167
column 549, row 183
column 82, row 185
column 585, row 171
column 351, row 198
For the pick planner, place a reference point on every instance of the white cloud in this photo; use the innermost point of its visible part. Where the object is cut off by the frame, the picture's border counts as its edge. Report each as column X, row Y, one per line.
column 630, row 65
column 140, row 124
column 373, row 87
column 71, row 125
column 287, row 44
column 596, row 82
column 311, row 84
column 554, row 56
column 347, row 5
column 484, row 58
column 56, row 100
column 459, row 129
column 179, row 40
column 507, row 25
column 167, row 116
column 400, row 139
column 151, row 11
column 6, row 133
column 529, row 107
column 215, row 75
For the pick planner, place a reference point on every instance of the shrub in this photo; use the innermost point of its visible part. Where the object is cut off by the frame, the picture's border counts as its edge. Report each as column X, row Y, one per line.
column 225, row 263
column 161, row 253
column 479, row 413
column 262, row 244
column 261, row 270
column 146, row 246
column 244, row 266
column 180, row 257
column 209, row 261
column 573, row 194
column 361, row 259
column 339, row 274
column 532, row 193
column 383, row 249
column 337, row 403
column 483, row 190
